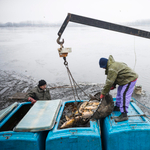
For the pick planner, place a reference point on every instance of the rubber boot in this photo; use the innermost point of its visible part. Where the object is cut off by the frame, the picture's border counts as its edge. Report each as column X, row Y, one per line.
column 122, row 117
column 116, row 108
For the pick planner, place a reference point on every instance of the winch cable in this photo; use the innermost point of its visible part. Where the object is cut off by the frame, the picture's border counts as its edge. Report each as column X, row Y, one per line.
column 70, row 76
column 73, row 86
column 74, row 82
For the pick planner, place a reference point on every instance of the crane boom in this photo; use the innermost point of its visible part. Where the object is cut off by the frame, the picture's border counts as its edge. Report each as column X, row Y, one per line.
column 103, row 25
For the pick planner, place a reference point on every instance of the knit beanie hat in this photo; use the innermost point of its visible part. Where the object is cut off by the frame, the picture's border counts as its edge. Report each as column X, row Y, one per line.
column 103, row 63
column 42, row 82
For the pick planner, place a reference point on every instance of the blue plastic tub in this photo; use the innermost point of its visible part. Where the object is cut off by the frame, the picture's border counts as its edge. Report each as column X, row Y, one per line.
column 133, row 134
column 11, row 140
column 77, row 138
column 23, row 126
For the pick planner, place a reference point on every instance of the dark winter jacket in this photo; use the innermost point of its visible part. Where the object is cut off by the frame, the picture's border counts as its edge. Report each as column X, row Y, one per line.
column 38, row 94
column 117, row 73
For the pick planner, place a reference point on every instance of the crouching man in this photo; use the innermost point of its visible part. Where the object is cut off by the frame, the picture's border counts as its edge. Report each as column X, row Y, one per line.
column 40, row 92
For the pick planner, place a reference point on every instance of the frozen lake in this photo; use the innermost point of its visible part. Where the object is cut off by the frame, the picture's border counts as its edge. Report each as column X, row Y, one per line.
column 32, row 51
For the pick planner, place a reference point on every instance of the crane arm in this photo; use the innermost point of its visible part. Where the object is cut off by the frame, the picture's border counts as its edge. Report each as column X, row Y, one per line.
column 103, row 25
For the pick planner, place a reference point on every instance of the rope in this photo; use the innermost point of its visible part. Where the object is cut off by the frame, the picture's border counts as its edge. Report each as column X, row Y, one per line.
column 141, row 104
column 135, row 55
column 71, row 86
column 73, row 82
column 80, row 87
column 71, row 77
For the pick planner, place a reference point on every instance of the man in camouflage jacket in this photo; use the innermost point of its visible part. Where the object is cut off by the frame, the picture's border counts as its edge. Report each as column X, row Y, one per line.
column 40, row 92
column 119, row 73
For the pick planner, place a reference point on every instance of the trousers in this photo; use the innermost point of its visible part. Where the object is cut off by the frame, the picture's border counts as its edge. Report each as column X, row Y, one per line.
column 124, row 93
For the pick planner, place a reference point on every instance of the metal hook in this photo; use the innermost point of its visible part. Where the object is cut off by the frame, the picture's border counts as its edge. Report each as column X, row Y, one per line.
column 60, row 42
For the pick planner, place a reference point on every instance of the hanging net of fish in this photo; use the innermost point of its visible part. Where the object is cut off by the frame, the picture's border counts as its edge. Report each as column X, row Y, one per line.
column 79, row 114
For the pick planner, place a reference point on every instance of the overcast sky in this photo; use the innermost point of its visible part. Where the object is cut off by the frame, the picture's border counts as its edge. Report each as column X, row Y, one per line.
column 55, row 11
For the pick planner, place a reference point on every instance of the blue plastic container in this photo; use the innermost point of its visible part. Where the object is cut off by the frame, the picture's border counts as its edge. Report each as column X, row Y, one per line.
column 22, row 126
column 77, row 138
column 133, row 134
column 19, row 140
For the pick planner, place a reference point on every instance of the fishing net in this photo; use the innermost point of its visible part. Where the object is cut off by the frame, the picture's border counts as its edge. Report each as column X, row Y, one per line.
column 106, row 107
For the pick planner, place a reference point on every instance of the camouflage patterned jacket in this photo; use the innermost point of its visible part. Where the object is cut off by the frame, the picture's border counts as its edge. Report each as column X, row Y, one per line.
column 39, row 94
column 117, row 73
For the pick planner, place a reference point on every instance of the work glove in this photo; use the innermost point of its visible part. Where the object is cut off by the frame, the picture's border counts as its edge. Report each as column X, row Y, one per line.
column 112, row 88
column 31, row 100
column 102, row 96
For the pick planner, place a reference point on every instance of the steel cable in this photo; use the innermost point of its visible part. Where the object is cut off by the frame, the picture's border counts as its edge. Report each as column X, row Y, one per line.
column 73, row 82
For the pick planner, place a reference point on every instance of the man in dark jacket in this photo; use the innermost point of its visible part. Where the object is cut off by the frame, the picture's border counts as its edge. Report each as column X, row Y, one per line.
column 40, row 92
column 119, row 73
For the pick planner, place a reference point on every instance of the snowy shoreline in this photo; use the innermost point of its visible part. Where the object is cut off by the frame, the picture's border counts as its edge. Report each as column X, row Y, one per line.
column 12, row 83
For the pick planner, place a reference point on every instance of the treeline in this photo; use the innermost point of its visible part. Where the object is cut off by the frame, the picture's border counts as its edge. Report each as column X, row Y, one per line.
column 140, row 23
column 35, row 24
column 28, row 24
column 41, row 24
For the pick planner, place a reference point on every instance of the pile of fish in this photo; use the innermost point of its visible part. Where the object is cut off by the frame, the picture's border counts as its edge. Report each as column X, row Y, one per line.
column 93, row 109
column 82, row 115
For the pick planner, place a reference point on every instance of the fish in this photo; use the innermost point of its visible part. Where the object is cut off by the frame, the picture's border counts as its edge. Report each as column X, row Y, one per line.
column 84, row 112
column 68, row 123
column 94, row 103
column 71, row 122
column 87, row 114
column 67, row 118
column 82, row 107
column 90, row 107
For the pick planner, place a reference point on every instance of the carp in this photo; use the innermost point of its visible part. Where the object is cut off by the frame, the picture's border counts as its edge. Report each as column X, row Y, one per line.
column 68, row 123
column 84, row 112
column 82, row 107
column 71, row 122
column 87, row 114
column 92, row 109
column 91, row 105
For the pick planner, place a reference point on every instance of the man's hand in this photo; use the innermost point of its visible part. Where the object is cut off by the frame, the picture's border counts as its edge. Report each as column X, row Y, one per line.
column 31, row 100
column 112, row 88
column 102, row 96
